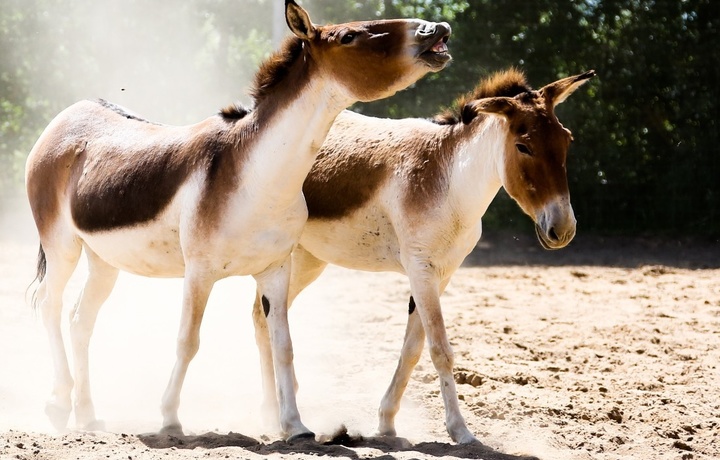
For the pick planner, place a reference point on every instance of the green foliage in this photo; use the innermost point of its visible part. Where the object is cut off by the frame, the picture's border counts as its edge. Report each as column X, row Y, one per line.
column 645, row 159
column 171, row 62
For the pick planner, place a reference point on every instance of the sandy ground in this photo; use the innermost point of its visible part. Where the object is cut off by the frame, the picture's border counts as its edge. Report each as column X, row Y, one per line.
column 608, row 349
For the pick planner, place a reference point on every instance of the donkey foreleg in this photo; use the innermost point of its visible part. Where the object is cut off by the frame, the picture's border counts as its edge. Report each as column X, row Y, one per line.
column 99, row 284
column 306, row 268
column 273, row 286
column 427, row 299
column 409, row 357
column 270, row 409
column 196, row 291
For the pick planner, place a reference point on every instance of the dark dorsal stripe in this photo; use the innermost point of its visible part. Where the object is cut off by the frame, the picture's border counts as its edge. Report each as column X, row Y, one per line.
column 122, row 111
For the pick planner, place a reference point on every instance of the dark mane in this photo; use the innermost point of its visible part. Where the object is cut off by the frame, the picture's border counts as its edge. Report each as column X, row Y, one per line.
column 276, row 68
column 506, row 83
column 234, row 111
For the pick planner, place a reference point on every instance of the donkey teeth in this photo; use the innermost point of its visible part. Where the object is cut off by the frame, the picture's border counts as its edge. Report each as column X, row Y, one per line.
column 439, row 47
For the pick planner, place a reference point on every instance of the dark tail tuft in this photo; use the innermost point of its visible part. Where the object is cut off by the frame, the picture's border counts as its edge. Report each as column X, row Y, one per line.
column 41, row 270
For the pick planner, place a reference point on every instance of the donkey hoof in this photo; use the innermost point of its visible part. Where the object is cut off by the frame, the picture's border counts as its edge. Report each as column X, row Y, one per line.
column 58, row 416
column 469, row 439
column 388, row 433
column 95, row 425
column 301, row 436
column 393, row 442
column 172, row 430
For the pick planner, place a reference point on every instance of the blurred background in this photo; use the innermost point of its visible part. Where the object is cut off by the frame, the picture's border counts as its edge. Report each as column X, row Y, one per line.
column 645, row 161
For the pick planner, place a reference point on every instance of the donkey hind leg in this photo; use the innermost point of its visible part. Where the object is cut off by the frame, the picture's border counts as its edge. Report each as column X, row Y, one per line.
column 99, row 284
column 306, row 268
column 409, row 357
column 273, row 290
column 61, row 260
column 427, row 299
column 196, row 291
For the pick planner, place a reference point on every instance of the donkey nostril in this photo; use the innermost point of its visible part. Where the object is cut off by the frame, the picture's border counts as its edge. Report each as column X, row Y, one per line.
column 428, row 29
column 553, row 235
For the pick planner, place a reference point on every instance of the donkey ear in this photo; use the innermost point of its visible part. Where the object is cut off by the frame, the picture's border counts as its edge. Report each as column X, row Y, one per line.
column 557, row 92
column 490, row 105
column 299, row 21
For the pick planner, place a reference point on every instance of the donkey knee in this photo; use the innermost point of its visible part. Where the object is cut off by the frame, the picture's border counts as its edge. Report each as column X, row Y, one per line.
column 187, row 348
column 442, row 357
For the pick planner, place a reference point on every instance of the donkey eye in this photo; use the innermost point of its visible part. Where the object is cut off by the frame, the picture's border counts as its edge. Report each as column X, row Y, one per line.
column 347, row 38
column 522, row 148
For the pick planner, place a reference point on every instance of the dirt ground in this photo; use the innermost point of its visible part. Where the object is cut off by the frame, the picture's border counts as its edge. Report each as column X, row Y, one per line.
column 608, row 349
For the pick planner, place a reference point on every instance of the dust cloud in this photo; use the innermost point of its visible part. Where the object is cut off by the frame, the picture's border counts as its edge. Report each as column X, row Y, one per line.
column 133, row 351
column 167, row 62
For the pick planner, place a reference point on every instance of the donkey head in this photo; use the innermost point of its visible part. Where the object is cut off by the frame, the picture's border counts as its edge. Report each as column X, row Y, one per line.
column 534, row 172
column 372, row 59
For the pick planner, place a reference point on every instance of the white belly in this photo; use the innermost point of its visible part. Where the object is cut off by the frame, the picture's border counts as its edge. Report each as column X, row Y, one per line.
column 245, row 242
column 369, row 240
column 149, row 250
column 364, row 241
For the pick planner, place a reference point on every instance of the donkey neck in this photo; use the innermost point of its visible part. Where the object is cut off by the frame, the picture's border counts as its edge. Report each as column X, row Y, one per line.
column 476, row 169
column 288, row 136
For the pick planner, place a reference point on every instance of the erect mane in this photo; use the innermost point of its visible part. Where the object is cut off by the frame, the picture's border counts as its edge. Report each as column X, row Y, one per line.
column 276, row 68
column 505, row 83
column 234, row 111
column 273, row 70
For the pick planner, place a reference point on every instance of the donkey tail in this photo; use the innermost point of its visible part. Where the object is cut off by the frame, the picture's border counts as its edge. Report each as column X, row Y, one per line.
column 40, row 275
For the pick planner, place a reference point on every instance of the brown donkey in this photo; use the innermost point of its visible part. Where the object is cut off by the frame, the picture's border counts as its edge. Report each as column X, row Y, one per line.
column 426, row 185
column 215, row 199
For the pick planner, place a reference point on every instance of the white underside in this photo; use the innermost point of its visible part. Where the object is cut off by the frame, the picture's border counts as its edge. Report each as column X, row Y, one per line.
column 251, row 237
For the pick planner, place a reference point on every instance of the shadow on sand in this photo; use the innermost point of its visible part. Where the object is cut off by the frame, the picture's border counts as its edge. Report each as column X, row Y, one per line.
column 520, row 248
column 341, row 444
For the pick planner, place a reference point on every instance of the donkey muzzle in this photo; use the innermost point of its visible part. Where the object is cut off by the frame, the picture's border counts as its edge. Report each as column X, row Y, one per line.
column 431, row 29
column 556, row 224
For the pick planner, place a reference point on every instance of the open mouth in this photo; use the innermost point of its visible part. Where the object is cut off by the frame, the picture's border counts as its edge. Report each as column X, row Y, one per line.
column 437, row 54
column 441, row 46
